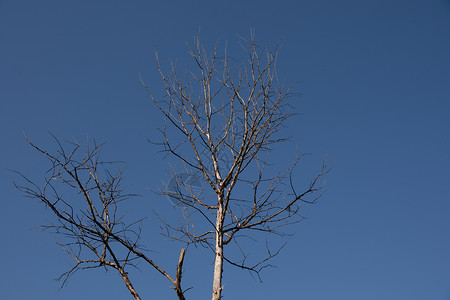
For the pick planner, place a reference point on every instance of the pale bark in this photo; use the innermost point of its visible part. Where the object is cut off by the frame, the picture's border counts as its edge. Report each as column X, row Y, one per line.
column 218, row 262
column 177, row 282
column 128, row 284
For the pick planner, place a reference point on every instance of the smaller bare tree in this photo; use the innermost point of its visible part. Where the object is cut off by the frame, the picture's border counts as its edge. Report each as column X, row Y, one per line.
column 85, row 197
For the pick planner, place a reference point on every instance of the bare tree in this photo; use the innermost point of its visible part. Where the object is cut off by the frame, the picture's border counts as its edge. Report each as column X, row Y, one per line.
column 227, row 119
column 222, row 121
column 85, row 198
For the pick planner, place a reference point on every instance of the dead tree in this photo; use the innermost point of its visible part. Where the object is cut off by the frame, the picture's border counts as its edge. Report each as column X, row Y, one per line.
column 221, row 109
column 85, row 198
column 222, row 122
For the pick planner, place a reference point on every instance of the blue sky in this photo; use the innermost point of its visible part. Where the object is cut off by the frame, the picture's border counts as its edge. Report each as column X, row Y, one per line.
column 375, row 84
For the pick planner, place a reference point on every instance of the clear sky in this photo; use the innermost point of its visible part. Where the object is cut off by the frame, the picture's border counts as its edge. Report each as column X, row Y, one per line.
column 375, row 84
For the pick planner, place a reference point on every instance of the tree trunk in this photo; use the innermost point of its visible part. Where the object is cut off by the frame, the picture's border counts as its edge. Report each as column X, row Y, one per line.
column 128, row 284
column 218, row 263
